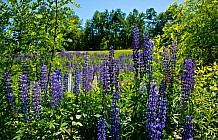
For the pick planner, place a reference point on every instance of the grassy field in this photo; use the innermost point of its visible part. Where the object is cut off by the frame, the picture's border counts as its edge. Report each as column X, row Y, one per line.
column 116, row 52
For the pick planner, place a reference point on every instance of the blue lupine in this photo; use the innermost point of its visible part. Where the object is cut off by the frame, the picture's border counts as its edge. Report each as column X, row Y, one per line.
column 52, row 89
column 141, row 65
column 111, row 65
column 55, row 90
column 115, row 108
column 151, row 114
column 111, row 53
column 76, row 86
column 36, row 101
column 85, row 73
column 26, row 72
column 9, row 94
column 89, row 76
column 162, row 108
column 102, row 128
column 44, row 81
column 136, row 47
column 187, row 81
column 21, row 58
column 156, row 117
column 117, row 111
column 25, row 69
column 62, row 54
column 43, row 77
column 148, row 48
column 106, row 78
column 24, row 96
column 173, row 58
column 59, row 86
column 69, row 56
column 65, row 88
column 166, row 65
column 115, row 117
column 189, row 128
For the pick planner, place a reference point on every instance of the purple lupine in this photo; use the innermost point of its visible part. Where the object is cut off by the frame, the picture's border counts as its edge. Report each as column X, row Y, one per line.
column 156, row 116
column 9, row 94
column 148, row 48
column 65, row 82
column 62, row 54
column 59, row 86
column 26, row 72
column 54, row 90
column 21, row 58
column 111, row 66
column 76, row 86
column 115, row 117
column 173, row 58
column 36, row 101
column 187, row 81
column 89, row 76
column 69, row 56
column 166, row 65
column 141, row 65
column 24, row 96
column 84, row 73
column 151, row 114
column 117, row 111
column 102, row 128
column 189, row 128
column 162, row 111
column 43, row 81
column 105, row 83
column 115, row 108
column 106, row 77
column 136, row 47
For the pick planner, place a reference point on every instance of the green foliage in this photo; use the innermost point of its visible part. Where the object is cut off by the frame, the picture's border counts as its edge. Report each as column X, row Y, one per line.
column 205, row 102
column 195, row 25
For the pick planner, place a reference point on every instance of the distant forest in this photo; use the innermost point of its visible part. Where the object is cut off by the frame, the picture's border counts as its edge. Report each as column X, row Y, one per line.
column 36, row 27
column 115, row 28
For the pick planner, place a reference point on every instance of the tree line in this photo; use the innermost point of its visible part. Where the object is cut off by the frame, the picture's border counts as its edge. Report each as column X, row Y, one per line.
column 115, row 28
column 38, row 26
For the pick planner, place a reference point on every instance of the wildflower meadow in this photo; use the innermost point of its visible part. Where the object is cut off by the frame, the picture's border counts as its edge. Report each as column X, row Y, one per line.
column 149, row 92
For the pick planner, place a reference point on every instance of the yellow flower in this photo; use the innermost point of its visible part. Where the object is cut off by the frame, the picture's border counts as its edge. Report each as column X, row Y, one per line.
column 122, row 84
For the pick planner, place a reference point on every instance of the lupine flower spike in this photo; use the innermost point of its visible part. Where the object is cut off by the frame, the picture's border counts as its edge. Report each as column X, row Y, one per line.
column 136, row 47
column 148, row 48
column 44, row 81
column 76, row 86
column 187, row 81
column 189, row 128
column 101, row 128
column 36, row 101
column 9, row 94
column 56, row 93
column 24, row 96
column 151, row 115
column 115, row 109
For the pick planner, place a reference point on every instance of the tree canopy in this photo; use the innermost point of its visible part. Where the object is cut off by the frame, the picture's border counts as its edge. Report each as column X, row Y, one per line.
column 34, row 26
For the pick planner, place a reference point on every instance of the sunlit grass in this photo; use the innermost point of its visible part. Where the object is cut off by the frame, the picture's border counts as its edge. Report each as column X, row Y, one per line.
column 116, row 52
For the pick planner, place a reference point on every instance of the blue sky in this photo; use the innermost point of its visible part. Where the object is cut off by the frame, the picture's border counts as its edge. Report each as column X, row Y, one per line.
column 88, row 7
